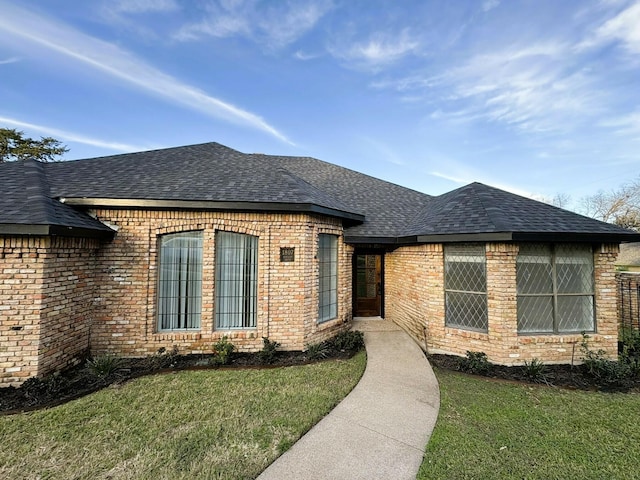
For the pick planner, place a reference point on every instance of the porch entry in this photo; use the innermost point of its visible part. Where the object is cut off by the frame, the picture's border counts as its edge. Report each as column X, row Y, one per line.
column 367, row 285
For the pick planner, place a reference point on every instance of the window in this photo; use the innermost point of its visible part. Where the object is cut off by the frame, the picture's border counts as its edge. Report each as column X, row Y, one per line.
column 465, row 285
column 555, row 289
column 328, row 290
column 180, row 281
column 236, row 280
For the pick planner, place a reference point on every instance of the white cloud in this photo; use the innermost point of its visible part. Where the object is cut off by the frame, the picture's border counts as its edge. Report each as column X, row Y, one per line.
column 71, row 137
column 624, row 28
column 9, row 60
column 379, row 50
column 304, row 56
column 142, row 6
column 53, row 37
column 628, row 124
column 273, row 25
column 490, row 5
column 533, row 88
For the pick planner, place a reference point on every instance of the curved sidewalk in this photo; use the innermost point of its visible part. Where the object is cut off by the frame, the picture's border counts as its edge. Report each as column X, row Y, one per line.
column 380, row 430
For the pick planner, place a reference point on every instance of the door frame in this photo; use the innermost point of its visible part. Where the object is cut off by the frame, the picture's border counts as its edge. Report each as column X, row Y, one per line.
column 354, row 276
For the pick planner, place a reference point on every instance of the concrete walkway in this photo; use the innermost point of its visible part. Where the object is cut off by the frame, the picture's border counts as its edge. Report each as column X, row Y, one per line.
column 380, row 430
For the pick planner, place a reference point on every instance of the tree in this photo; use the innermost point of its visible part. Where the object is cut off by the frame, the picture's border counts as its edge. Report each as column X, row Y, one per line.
column 15, row 146
column 621, row 206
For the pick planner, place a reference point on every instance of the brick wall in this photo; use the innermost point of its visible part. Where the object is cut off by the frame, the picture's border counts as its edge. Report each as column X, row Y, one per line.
column 415, row 300
column 287, row 291
column 46, row 291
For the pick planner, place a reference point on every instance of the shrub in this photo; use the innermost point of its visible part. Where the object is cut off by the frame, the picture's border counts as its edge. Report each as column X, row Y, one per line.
column 222, row 351
column 535, row 370
column 475, row 362
column 269, row 349
column 104, row 365
column 164, row 358
column 51, row 385
column 607, row 374
column 350, row 341
column 318, row 351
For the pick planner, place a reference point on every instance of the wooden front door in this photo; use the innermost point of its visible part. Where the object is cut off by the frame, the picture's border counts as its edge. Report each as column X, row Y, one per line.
column 368, row 285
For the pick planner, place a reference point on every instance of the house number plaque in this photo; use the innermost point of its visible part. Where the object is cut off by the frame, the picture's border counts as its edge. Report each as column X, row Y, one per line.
column 287, row 254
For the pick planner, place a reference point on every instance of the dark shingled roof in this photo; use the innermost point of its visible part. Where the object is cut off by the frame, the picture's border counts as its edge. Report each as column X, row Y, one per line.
column 479, row 209
column 26, row 206
column 212, row 176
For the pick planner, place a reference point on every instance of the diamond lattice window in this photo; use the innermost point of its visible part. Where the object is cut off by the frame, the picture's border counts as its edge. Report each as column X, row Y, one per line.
column 555, row 289
column 465, row 283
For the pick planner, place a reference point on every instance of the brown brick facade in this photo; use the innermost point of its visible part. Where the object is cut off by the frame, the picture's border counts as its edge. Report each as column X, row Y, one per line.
column 47, row 287
column 62, row 297
column 287, row 291
column 415, row 297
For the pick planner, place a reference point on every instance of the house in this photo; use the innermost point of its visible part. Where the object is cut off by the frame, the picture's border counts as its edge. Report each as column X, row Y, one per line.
column 629, row 258
column 130, row 253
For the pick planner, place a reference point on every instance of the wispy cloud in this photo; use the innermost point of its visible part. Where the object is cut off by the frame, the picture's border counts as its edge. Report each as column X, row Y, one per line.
column 71, row 137
column 51, row 36
column 273, row 25
column 623, row 28
column 9, row 60
column 490, row 5
column 379, row 50
column 470, row 177
column 533, row 88
column 628, row 124
column 142, row 6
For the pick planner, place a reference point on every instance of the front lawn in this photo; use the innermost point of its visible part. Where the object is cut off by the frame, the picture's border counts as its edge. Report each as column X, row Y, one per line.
column 214, row 424
column 493, row 429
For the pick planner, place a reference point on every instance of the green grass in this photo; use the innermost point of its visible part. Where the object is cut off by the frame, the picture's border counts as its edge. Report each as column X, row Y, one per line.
column 488, row 429
column 213, row 424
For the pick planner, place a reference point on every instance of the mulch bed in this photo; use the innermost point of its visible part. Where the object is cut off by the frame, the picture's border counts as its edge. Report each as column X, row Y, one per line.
column 565, row 376
column 80, row 380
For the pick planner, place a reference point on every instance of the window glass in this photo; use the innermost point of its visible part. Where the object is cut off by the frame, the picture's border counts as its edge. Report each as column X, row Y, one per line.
column 328, row 281
column 466, row 286
column 180, row 281
column 236, row 280
column 555, row 288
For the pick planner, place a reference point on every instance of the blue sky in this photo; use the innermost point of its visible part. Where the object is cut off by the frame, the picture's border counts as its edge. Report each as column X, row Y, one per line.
column 537, row 97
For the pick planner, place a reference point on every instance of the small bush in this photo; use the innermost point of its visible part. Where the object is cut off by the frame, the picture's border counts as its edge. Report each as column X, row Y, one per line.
column 269, row 350
column 51, row 385
column 351, row 341
column 222, row 351
column 607, row 374
column 318, row 351
column 535, row 370
column 164, row 358
column 104, row 365
column 475, row 362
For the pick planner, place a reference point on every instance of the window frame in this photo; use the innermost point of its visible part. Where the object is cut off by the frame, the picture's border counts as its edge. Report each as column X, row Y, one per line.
column 451, row 293
column 182, row 300
column 240, row 298
column 555, row 294
column 327, row 280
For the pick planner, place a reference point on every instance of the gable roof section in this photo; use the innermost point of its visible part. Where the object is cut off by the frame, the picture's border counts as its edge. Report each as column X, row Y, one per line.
column 479, row 212
column 387, row 207
column 27, row 208
column 206, row 176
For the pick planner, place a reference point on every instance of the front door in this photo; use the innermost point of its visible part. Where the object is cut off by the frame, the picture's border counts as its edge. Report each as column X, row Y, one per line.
column 368, row 285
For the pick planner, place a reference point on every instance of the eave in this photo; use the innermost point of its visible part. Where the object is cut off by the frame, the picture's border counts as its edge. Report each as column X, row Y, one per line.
column 152, row 204
column 546, row 237
column 19, row 229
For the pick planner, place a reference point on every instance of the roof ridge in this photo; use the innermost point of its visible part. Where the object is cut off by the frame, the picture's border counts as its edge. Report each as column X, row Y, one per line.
column 491, row 212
